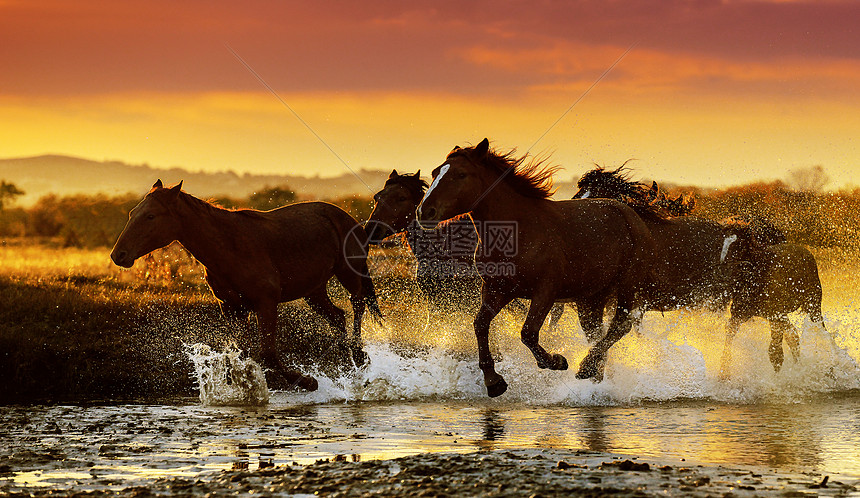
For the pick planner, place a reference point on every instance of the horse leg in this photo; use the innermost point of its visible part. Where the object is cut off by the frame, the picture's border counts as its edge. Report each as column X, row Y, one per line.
column 267, row 322
column 731, row 331
column 555, row 314
column 594, row 362
column 359, row 285
column 320, row 302
column 591, row 319
column 491, row 304
column 540, row 306
column 237, row 316
column 778, row 327
column 359, row 357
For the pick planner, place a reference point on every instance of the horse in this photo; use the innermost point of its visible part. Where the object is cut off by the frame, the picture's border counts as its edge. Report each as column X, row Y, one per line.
column 770, row 281
column 257, row 259
column 446, row 271
column 690, row 258
column 749, row 259
column 543, row 250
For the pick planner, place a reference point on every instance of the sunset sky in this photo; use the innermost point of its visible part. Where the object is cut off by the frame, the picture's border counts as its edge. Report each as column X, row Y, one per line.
column 712, row 93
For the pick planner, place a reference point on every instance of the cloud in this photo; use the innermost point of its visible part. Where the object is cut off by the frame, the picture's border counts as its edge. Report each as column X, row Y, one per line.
column 96, row 47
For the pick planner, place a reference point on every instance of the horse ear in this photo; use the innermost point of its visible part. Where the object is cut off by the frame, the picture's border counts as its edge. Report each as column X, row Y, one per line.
column 417, row 174
column 157, row 184
column 393, row 174
column 483, row 147
column 174, row 190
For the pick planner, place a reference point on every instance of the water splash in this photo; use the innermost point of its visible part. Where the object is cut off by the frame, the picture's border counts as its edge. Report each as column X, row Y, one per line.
column 227, row 379
column 672, row 357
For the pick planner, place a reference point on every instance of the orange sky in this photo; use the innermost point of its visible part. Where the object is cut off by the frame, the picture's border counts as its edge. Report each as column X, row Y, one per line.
column 712, row 93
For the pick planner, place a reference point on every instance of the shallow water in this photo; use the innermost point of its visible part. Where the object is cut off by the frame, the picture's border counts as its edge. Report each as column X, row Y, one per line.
column 104, row 447
column 661, row 399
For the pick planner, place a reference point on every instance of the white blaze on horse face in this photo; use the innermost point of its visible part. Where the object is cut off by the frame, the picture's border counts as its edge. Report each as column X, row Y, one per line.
column 586, row 195
column 444, row 169
column 727, row 242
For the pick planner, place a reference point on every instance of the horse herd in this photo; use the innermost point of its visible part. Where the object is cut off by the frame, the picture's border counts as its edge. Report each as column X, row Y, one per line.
column 617, row 244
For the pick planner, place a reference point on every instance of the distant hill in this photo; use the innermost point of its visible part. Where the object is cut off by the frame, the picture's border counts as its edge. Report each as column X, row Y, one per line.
column 65, row 175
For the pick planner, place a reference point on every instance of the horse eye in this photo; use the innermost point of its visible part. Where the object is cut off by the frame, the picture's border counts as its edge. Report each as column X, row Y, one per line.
column 150, row 216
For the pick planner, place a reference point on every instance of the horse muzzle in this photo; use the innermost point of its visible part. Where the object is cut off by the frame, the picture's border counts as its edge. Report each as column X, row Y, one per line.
column 377, row 231
column 122, row 258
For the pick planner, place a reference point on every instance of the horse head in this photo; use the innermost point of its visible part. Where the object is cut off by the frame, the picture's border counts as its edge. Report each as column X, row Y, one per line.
column 395, row 205
column 151, row 225
column 458, row 184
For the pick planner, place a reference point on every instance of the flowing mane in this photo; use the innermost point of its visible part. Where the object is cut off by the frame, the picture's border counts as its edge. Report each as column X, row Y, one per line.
column 650, row 201
column 531, row 179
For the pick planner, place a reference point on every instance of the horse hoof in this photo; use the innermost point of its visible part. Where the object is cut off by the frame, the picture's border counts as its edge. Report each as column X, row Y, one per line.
column 559, row 362
column 359, row 357
column 497, row 389
column 586, row 371
column 308, row 383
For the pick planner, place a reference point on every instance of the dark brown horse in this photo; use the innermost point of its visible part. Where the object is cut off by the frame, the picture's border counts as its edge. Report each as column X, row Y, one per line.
column 770, row 281
column 446, row 271
column 257, row 259
column 745, row 259
column 689, row 257
column 535, row 248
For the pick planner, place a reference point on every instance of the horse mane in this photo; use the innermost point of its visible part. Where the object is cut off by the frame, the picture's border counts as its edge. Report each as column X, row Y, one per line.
column 648, row 201
column 202, row 205
column 531, row 179
column 414, row 184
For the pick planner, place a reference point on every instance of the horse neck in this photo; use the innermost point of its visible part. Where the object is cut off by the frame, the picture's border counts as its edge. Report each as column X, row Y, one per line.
column 504, row 203
column 204, row 228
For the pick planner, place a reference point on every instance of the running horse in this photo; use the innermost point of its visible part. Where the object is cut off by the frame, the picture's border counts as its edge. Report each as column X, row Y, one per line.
column 446, row 272
column 257, row 259
column 770, row 281
column 543, row 250
column 689, row 267
column 746, row 260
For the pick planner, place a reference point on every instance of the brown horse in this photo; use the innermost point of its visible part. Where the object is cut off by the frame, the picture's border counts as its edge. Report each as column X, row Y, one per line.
column 770, row 281
column 257, row 259
column 689, row 257
column 532, row 247
column 446, row 272
column 744, row 258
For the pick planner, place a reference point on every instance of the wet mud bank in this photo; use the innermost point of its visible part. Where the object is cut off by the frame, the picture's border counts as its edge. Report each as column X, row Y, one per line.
column 491, row 473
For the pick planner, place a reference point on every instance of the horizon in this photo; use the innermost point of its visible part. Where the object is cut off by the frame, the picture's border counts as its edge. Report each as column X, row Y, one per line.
column 700, row 93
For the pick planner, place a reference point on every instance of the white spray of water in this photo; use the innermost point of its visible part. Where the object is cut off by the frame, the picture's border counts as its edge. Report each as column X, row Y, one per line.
column 225, row 378
column 672, row 357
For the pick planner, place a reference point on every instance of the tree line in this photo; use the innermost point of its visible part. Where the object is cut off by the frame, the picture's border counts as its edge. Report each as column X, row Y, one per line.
column 808, row 216
column 96, row 220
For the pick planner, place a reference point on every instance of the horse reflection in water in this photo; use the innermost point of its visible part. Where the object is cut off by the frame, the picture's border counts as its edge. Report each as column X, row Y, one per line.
column 257, row 259
column 580, row 250
column 700, row 262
